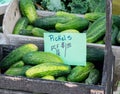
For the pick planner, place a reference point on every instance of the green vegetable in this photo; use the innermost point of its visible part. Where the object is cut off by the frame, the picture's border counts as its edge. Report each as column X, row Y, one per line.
column 100, row 42
column 80, row 73
column 92, row 4
column 114, row 34
column 28, row 10
column 17, row 64
column 78, row 23
column 38, row 32
column 38, row 57
column 65, row 14
column 61, row 78
column 93, row 56
column 25, row 32
column 50, row 21
column 53, row 5
column 21, row 24
column 17, row 71
column 118, row 37
column 96, row 30
column 78, row 6
column 48, row 77
column 70, row 31
column 101, row 7
column 44, row 69
column 93, row 16
column 29, row 27
column 93, row 77
column 17, row 55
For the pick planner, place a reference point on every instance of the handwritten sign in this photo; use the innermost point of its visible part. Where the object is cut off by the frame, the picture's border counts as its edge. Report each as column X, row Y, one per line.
column 4, row 2
column 71, row 47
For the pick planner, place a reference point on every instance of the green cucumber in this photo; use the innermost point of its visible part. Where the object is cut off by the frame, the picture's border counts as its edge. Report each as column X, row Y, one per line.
column 17, row 55
column 93, row 78
column 78, row 23
column 93, row 56
column 38, row 57
column 29, row 27
column 96, row 30
column 48, row 77
column 80, row 73
column 44, row 69
column 28, row 10
column 38, row 32
column 70, row 31
column 118, row 37
column 49, row 22
column 65, row 14
column 25, row 32
column 21, row 24
column 17, row 71
column 100, row 42
column 61, row 78
column 93, row 16
column 114, row 35
column 17, row 64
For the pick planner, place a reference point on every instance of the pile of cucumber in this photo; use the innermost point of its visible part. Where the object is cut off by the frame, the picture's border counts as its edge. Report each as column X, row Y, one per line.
column 28, row 61
column 93, row 24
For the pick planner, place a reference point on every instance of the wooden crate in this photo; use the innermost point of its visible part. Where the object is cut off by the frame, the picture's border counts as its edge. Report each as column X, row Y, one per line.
column 47, row 86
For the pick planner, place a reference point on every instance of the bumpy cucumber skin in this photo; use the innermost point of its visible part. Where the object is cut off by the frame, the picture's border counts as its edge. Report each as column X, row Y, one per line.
column 61, row 78
column 114, row 34
column 38, row 32
column 38, row 57
column 96, row 30
column 18, row 71
column 17, row 55
column 21, row 24
column 77, row 23
column 93, row 16
column 93, row 77
column 17, row 64
column 49, row 22
column 80, row 73
column 44, row 69
column 27, row 9
column 48, row 77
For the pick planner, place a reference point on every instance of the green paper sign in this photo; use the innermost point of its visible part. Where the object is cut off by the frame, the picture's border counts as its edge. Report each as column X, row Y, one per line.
column 71, row 47
column 5, row 2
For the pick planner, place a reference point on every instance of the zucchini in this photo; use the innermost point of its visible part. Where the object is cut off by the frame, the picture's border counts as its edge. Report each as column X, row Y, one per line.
column 49, row 22
column 93, row 77
column 78, row 23
column 17, row 55
column 38, row 57
column 44, row 69
column 21, row 24
column 28, row 10
column 80, row 73
column 96, row 30
column 17, row 71
column 38, row 32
